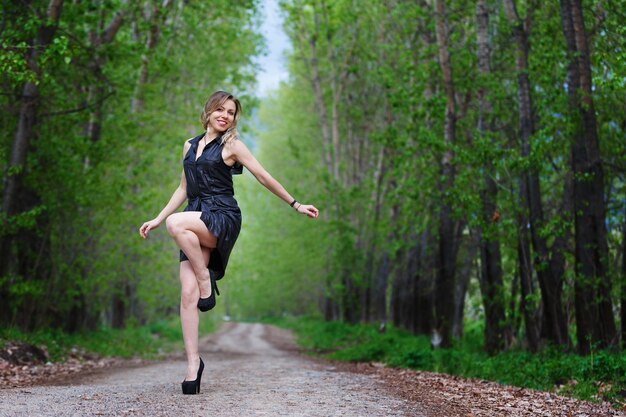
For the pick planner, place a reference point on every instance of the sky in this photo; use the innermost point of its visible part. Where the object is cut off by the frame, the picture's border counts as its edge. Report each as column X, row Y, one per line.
column 273, row 68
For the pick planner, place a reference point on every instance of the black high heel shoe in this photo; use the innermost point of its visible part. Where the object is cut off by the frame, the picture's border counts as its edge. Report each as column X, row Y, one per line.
column 206, row 304
column 193, row 387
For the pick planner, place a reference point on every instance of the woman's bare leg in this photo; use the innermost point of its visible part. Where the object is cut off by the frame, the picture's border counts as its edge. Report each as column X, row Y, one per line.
column 192, row 235
column 189, row 319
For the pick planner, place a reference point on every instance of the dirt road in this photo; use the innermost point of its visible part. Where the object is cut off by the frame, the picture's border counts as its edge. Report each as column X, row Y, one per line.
column 251, row 370
column 255, row 370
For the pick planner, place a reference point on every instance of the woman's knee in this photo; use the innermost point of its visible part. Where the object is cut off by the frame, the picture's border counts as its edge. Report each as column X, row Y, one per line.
column 189, row 296
column 174, row 225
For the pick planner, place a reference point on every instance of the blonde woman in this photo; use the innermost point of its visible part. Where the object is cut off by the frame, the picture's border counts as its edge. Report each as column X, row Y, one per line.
column 207, row 229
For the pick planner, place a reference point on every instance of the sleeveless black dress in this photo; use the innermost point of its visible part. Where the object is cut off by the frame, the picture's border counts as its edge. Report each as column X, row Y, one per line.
column 210, row 191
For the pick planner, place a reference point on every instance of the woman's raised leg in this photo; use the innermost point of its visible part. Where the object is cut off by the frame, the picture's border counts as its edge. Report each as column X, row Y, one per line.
column 191, row 236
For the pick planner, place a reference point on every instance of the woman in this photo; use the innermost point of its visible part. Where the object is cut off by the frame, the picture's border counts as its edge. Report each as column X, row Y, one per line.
column 207, row 229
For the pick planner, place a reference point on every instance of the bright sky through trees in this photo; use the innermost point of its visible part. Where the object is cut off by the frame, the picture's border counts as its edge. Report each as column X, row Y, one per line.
column 273, row 69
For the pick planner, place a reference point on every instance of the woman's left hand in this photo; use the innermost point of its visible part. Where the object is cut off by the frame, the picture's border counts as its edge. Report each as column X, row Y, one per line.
column 309, row 210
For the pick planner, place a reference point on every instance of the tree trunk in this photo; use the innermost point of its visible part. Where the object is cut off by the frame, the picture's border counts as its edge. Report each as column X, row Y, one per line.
column 595, row 323
column 448, row 246
column 423, row 303
column 515, row 318
column 156, row 17
column 379, row 296
column 550, row 284
column 412, row 302
column 93, row 132
column 623, row 286
column 330, row 300
column 96, row 92
column 350, row 299
column 561, row 246
column 28, row 110
column 399, row 290
column 491, row 263
column 526, row 285
column 461, row 288
column 328, row 117
column 15, row 198
column 378, row 289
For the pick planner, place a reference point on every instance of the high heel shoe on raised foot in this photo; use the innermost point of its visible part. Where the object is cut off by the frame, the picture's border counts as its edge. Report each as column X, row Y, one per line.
column 206, row 304
column 193, row 387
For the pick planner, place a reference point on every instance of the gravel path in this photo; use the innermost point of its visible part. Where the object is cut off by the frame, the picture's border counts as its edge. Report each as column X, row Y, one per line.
column 251, row 370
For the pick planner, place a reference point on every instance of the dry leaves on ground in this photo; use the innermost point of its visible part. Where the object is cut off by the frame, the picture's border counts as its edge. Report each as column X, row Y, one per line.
column 23, row 365
column 448, row 395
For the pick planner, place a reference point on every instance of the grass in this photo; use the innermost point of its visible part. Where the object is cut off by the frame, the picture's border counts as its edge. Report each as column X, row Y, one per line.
column 149, row 342
column 599, row 376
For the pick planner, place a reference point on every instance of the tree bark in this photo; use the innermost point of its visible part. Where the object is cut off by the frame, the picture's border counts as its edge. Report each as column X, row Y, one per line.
column 461, row 287
column 448, row 245
column 526, row 285
column 491, row 263
column 350, row 299
column 549, row 281
column 623, row 286
column 96, row 91
column 28, row 110
column 157, row 16
column 379, row 296
column 15, row 198
column 595, row 323
column 412, row 297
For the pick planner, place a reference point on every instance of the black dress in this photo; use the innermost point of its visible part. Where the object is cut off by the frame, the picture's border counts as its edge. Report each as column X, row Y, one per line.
column 210, row 191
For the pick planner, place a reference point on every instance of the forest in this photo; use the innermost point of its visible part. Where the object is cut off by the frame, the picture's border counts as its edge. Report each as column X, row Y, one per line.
column 468, row 159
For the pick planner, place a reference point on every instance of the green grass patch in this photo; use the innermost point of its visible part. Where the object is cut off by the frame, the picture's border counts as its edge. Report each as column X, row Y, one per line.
column 149, row 341
column 599, row 376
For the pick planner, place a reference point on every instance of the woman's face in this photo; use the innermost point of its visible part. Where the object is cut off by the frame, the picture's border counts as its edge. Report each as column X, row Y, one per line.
column 223, row 117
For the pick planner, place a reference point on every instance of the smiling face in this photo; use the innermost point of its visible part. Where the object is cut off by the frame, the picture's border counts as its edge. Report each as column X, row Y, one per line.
column 221, row 112
column 223, row 116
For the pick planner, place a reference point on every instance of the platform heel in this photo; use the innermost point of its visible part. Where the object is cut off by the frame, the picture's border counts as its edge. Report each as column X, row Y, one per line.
column 193, row 387
column 206, row 304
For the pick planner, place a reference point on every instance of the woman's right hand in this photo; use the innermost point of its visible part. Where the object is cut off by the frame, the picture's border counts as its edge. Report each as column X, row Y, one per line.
column 147, row 226
column 308, row 209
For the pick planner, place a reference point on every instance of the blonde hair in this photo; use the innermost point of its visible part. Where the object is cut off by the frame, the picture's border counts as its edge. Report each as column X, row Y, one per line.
column 214, row 102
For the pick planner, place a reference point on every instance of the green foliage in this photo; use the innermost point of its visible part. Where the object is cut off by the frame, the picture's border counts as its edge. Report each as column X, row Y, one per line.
column 361, row 137
column 602, row 375
column 275, row 266
column 73, row 255
column 370, row 84
column 150, row 341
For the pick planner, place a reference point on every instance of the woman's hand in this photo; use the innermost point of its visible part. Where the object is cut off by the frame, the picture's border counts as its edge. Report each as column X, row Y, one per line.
column 147, row 226
column 308, row 209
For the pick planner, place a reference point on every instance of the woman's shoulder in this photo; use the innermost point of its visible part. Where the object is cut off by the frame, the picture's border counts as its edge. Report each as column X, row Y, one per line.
column 191, row 140
column 236, row 144
column 188, row 143
column 194, row 138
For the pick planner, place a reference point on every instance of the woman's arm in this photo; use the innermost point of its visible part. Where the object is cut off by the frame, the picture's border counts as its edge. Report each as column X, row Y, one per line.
column 178, row 198
column 240, row 153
